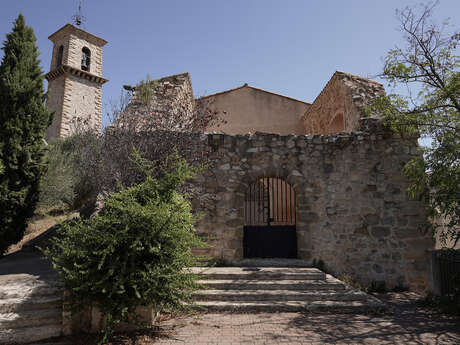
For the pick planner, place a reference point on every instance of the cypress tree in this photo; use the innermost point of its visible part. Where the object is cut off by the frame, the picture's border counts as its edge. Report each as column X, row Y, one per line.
column 24, row 118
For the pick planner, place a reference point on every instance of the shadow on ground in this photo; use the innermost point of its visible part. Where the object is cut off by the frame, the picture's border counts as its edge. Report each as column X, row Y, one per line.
column 407, row 323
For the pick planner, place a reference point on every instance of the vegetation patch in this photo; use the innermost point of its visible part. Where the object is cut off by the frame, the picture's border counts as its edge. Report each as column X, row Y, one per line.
column 135, row 251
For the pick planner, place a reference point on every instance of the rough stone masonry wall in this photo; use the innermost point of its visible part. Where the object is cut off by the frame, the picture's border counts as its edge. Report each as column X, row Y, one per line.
column 171, row 108
column 352, row 207
column 341, row 104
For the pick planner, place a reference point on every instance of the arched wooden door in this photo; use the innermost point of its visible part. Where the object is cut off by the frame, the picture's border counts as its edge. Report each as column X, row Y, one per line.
column 270, row 220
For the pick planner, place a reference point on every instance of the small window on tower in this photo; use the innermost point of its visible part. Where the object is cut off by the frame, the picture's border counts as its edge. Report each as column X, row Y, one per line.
column 59, row 56
column 85, row 59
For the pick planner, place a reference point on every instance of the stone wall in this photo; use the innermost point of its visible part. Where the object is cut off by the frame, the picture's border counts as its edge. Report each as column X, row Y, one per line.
column 55, row 100
column 171, row 107
column 341, row 104
column 82, row 103
column 61, row 40
column 74, row 39
column 75, row 96
column 76, row 45
column 352, row 208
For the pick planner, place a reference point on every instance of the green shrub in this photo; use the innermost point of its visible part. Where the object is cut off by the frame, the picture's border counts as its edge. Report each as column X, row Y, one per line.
column 135, row 251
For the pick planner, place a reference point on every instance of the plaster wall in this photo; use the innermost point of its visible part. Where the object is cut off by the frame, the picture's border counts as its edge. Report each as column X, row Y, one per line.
column 249, row 110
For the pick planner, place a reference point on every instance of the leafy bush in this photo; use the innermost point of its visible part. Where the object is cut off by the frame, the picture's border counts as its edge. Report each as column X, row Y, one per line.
column 429, row 61
column 134, row 252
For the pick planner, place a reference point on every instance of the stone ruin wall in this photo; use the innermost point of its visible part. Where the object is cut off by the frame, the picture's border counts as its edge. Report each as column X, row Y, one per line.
column 341, row 104
column 172, row 98
column 353, row 211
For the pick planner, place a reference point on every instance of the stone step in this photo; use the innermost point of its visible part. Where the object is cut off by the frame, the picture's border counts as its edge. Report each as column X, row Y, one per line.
column 26, row 289
column 26, row 319
column 260, row 273
column 279, row 295
column 240, row 284
column 257, row 262
column 290, row 306
column 30, row 334
column 13, row 305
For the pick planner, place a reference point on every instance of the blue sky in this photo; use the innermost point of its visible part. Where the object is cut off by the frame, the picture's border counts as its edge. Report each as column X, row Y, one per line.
column 290, row 47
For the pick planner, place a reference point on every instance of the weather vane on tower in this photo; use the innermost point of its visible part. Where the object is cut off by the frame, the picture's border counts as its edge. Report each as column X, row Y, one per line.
column 78, row 18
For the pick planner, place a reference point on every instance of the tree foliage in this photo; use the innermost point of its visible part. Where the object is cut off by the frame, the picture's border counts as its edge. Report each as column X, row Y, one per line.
column 428, row 65
column 72, row 177
column 57, row 189
column 135, row 251
column 24, row 118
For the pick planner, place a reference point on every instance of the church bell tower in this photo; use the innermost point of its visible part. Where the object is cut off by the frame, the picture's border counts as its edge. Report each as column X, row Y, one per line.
column 75, row 81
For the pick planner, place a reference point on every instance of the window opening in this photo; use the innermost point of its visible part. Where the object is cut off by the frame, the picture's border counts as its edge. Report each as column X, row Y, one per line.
column 59, row 56
column 85, row 59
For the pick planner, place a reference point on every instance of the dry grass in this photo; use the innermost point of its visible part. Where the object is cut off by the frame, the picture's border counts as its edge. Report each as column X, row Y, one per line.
column 36, row 227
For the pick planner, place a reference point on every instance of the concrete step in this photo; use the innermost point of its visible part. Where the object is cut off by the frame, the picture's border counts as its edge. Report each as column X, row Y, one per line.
column 13, row 305
column 290, row 306
column 29, row 334
column 26, row 319
column 260, row 273
column 29, row 289
column 279, row 295
column 240, row 284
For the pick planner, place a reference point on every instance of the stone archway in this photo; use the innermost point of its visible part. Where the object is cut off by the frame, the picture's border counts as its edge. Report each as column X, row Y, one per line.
column 270, row 219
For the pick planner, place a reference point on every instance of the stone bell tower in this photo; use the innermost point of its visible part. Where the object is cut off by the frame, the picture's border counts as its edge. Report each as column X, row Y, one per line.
column 75, row 81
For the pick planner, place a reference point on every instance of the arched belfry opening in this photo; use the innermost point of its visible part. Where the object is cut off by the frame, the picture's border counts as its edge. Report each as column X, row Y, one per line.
column 59, row 56
column 85, row 59
column 270, row 219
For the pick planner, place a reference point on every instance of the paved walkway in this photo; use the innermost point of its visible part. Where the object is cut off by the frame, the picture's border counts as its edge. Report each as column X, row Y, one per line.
column 408, row 324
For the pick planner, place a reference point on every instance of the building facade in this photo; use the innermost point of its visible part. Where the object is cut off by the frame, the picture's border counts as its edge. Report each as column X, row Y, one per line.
column 284, row 178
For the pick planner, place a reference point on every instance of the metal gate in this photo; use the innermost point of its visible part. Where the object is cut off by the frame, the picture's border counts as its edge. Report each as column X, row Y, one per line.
column 269, row 213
